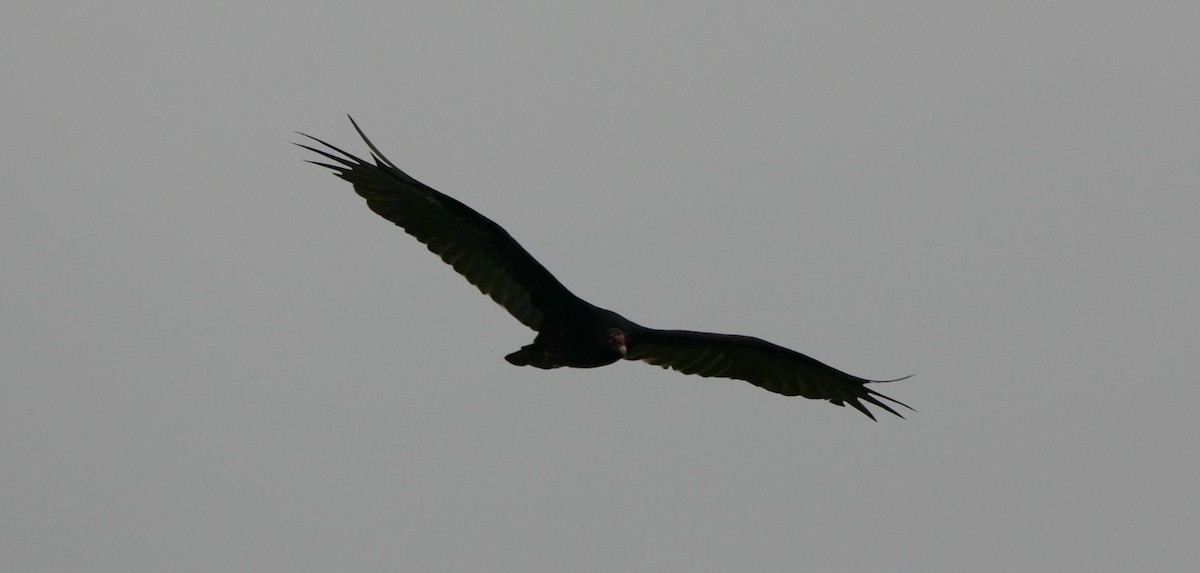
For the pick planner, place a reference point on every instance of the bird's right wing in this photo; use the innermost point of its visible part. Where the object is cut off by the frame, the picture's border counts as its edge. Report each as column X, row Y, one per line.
column 479, row 249
column 766, row 365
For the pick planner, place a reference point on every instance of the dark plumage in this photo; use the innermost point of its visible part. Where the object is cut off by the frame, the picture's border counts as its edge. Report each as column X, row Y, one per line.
column 571, row 331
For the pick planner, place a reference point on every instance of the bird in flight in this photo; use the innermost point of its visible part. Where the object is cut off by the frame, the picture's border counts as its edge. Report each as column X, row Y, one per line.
column 571, row 331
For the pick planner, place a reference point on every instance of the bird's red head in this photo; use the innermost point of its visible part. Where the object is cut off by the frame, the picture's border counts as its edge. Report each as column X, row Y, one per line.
column 616, row 340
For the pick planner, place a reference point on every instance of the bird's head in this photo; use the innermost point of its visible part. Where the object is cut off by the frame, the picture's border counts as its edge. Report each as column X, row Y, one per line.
column 616, row 340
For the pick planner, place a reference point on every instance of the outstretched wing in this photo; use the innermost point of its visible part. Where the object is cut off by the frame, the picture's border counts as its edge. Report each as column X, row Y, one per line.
column 758, row 362
column 474, row 245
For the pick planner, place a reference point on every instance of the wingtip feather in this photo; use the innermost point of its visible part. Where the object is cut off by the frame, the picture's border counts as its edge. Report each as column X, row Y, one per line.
column 378, row 155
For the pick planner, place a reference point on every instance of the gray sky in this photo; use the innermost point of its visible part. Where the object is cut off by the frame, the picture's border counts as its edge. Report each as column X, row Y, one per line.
column 217, row 359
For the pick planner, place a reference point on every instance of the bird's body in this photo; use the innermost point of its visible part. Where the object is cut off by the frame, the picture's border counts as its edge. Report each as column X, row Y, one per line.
column 571, row 331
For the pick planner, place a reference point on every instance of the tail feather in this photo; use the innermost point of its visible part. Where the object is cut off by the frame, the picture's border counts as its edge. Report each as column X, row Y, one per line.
column 531, row 355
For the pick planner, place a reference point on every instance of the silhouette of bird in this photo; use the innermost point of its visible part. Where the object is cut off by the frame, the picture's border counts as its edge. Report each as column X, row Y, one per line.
column 571, row 331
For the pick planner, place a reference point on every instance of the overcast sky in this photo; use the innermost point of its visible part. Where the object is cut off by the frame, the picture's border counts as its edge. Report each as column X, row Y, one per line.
column 215, row 358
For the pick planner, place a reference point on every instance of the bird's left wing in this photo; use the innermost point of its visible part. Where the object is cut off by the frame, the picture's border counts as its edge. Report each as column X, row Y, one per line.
column 479, row 249
column 759, row 362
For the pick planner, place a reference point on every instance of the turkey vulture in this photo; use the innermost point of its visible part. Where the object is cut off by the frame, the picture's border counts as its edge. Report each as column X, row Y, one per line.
column 572, row 332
